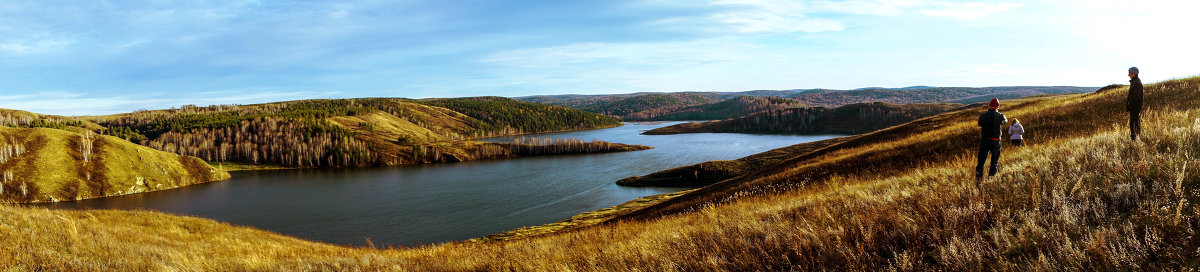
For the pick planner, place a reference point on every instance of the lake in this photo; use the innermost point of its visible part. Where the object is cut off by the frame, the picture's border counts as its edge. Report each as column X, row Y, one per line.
column 423, row 204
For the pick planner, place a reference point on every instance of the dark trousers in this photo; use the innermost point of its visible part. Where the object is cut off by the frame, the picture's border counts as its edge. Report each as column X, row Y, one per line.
column 1135, row 125
column 1015, row 142
column 988, row 147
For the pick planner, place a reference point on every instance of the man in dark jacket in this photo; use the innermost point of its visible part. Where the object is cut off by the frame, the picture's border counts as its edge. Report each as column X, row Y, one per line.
column 991, row 123
column 1133, row 104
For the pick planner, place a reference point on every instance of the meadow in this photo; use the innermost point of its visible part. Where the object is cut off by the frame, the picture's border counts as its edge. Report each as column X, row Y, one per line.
column 1078, row 196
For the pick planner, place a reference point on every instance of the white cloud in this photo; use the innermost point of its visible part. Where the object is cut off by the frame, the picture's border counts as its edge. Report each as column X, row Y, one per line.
column 760, row 22
column 339, row 14
column 865, row 7
column 629, row 54
column 967, row 11
column 33, row 46
column 770, row 16
column 747, row 17
column 785, row 16
column 68, row 103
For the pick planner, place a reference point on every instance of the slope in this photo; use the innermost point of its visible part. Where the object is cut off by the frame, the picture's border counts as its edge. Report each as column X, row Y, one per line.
column 70, row 162
column 835, row 98
column 710, row 172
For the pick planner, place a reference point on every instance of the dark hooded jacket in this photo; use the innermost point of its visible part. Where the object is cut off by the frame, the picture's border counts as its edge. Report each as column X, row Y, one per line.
column 1133, row 104
column 992, row 122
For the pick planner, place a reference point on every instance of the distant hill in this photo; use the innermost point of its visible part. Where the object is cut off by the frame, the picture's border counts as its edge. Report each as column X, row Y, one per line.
column 735, row 107
column 353, row 132
column 623, row 106
column 53, row 158
column 627, row 106
column 848, row 119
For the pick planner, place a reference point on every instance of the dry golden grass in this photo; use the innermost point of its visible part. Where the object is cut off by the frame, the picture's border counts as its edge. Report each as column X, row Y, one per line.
column 1079, row 198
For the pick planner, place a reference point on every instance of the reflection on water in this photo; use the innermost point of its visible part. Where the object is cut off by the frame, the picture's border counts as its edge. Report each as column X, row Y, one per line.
column 423, row 204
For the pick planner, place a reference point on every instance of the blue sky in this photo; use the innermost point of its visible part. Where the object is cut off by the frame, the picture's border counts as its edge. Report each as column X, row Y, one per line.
column 101, row 57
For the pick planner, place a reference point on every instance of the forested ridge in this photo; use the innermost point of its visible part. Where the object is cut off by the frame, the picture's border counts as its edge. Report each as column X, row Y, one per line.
column 343, row 132
column 659, row 106
column 849, row 119
column 736, row 107
column 504, row 116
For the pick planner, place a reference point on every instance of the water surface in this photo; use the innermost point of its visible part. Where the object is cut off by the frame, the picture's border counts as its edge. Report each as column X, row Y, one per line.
column 423, row 204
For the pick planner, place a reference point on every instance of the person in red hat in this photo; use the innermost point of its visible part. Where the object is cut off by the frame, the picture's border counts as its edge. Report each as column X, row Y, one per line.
column 991, row 123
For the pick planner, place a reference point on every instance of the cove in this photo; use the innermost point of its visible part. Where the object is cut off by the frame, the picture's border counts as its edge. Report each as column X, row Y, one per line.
column 423, row 204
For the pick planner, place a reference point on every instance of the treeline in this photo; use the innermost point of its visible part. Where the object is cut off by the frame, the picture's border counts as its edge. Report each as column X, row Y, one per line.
column 37, row 121
column 150, row 124
column 736, row 107
column 504, row 116
column 628, row 107
column 270, row 140
column 849, row 119
column 534, row 146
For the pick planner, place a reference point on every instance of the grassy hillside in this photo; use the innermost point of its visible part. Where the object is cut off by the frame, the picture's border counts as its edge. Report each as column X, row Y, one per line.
column 1078, row 196
column 347, row 132
column 39, row 163
column 848, row 119
column 710, row 172
column 835, row 98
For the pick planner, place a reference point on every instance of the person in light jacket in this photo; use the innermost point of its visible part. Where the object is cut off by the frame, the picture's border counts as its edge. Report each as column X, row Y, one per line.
column 1015, row 133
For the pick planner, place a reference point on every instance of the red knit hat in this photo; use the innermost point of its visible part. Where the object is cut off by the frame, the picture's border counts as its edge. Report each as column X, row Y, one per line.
column 995, row 103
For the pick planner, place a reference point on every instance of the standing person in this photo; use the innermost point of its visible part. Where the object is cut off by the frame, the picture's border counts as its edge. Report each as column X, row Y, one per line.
column 991, row 123
column 1016, row 132
column 1133, row 104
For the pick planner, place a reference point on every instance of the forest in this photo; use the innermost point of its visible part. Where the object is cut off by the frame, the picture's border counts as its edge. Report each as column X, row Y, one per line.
column 504, row 116
column 302, row 133
column 849, row 119
column 736, row 107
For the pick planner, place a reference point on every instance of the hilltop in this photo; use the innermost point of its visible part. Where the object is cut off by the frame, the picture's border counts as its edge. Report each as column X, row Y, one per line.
column 356, row 132
column 1077, row 196
column 848, row 119
column 650, row 106
column 53, row 158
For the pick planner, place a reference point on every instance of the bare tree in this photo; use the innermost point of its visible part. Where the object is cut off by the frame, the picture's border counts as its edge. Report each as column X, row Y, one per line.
column 87, row 142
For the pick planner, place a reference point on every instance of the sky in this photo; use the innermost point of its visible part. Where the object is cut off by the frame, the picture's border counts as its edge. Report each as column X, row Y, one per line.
column 104, row 57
